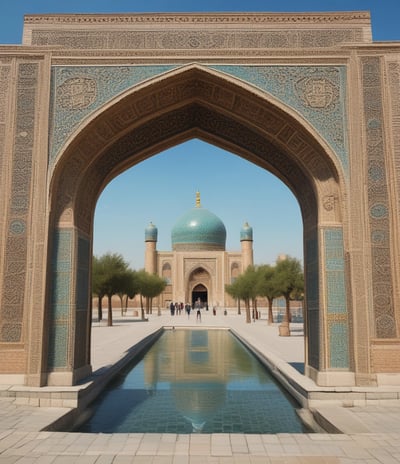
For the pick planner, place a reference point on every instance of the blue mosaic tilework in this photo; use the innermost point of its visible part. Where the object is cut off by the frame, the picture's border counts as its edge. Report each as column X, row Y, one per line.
column 338, row 345
column 89, row 88
column 58, row 346
column 336, row 298
column 60, row 298
column 294, row 85
column 79, row 90
column 334, row 265
column 82, row 284
column 61, row 265
column 313, row 305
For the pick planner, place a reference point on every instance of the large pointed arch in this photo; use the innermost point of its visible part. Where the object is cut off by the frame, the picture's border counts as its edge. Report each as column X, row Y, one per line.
column 190, row 102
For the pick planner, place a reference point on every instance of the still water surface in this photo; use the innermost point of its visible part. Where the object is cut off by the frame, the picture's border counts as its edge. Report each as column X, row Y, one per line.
column 195, row 381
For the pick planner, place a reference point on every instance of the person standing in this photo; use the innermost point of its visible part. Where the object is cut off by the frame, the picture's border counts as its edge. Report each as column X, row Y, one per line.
column 198, row 310
column 187, row 309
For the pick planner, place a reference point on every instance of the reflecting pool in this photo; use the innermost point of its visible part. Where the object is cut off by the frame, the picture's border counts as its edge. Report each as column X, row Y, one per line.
column 189, row 381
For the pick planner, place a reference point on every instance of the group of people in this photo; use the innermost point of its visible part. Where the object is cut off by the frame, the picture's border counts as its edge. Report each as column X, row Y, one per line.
column 177, row 308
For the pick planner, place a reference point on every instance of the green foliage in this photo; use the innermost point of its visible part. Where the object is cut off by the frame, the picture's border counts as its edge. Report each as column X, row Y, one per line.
column 286, row 279
column 289, row 280
column 244, row 288
column 111, row 276
column 267, row 287
column 289, row 276
column 150, row 286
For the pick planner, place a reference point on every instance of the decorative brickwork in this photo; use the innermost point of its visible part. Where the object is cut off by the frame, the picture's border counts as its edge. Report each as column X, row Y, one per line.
column 379, row 215
column 198, row 31
column 336, row 298
column 199, row 40
column 60, row 305
column 11, row 313
column 318, row 93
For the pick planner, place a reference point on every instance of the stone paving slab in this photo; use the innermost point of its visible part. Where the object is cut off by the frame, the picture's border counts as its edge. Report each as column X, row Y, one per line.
column 22, row 442
column 42, row 447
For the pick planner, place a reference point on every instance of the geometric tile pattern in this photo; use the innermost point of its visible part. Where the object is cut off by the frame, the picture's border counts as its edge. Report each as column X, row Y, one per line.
column 82, row 283
column 11, row 312
column 336, row 298
column 60, row 300
column 77, row 91
column 313, row 302
column 317, row 92
column 378, row 200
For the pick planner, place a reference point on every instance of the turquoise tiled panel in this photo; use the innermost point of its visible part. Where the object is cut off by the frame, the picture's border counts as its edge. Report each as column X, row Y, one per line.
column 82, row 283
column 58, row 346
column 338, row 345
column 334, row 266
column 295, row 84
column 61, row 264
column 101, row 84
column 313, row 305
column 60, row 298
column 336, row 298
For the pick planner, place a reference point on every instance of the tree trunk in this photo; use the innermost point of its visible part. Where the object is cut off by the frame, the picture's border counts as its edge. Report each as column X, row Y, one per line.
column 110, row 316
column 122, row 304
column 100, row 309
column 247, row 304
column 270, row 312
column 288, row 314
column 238, row 304
column 141, row 308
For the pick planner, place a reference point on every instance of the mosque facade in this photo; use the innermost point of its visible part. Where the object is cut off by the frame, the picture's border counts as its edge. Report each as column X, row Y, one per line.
column 198, row 266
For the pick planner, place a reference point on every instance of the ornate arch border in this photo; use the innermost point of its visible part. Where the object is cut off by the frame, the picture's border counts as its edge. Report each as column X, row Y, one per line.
column 195, row 101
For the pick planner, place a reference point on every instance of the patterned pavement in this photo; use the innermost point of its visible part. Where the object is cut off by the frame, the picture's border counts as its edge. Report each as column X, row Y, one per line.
column 22, row 442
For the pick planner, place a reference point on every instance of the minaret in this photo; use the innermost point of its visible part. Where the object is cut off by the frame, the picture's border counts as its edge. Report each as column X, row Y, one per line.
column 198, row 203
column 246, row 240
column 150, row 260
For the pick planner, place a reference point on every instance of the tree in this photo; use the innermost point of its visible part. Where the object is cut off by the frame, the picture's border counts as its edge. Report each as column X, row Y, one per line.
column 98, row 284
column 267, row 287
column 108, row 277
column 289, row 279
column 129, row 288
column 150, row 286
column 244, row 288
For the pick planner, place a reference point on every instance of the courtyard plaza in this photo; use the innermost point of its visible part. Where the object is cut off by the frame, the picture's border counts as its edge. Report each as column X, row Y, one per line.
column 371, row 432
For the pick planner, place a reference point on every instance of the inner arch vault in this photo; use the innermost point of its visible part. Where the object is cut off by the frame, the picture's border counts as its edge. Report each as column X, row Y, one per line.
column 196, row 102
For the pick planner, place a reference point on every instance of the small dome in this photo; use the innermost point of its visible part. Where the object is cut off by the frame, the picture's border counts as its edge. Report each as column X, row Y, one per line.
column 198, row 229
column 246, row 233
column 150, row 233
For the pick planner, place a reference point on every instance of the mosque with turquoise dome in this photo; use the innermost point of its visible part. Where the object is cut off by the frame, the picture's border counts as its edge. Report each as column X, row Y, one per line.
column 198, row 266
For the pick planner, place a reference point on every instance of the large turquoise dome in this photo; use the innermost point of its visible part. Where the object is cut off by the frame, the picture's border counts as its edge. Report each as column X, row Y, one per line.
column 198, row 229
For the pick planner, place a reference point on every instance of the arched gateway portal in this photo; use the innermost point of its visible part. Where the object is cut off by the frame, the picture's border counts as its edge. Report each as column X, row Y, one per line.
column 315, row 106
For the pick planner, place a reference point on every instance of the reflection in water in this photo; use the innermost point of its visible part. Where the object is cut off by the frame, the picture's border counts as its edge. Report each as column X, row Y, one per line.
column 195, row 381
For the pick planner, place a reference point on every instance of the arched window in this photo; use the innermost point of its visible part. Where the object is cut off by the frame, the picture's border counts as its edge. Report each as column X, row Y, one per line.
column 166, row 272
column 235, row 271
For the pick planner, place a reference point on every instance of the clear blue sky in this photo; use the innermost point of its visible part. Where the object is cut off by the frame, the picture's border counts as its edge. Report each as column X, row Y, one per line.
column 232, row 188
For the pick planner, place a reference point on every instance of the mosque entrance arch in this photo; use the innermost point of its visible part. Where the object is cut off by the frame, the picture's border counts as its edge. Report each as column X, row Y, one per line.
column 257, row 127
column 311, row 106
column 199, row 296
column 199, row 286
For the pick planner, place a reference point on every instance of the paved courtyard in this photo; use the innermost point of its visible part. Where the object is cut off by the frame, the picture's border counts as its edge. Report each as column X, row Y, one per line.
column 372, row 432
